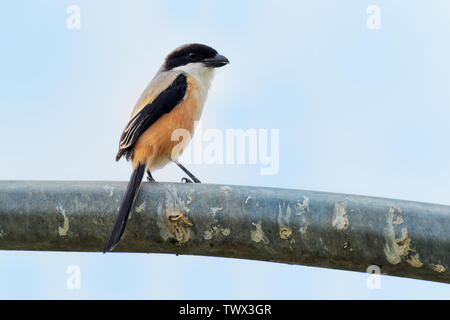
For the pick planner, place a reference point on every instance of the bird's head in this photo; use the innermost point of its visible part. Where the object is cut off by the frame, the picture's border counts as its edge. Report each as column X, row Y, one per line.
column 197, row 60
column 194, row 56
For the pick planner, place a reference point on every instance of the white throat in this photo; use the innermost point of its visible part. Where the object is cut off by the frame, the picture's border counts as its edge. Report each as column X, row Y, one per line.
column 202, row 74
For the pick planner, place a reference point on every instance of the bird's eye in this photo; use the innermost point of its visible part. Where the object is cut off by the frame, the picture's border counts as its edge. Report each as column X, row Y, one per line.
column 192, row 55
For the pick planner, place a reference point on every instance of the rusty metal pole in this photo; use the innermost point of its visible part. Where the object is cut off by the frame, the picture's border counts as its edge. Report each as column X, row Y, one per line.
column 349, row 232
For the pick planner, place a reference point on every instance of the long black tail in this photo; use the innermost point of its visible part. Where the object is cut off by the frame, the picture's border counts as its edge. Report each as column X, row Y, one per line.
column 122, row 218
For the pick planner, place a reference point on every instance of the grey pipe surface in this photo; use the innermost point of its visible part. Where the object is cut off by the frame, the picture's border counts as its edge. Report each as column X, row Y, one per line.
column 339, row 231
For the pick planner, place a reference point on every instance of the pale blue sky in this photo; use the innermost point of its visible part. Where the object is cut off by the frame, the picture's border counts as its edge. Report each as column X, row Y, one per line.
column 359, row 111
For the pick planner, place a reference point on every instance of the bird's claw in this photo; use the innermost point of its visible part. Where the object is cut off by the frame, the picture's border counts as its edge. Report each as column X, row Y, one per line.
column 186, row 180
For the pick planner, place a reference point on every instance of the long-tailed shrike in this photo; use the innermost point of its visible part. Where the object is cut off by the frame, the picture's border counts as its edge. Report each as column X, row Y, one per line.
column 173, row 100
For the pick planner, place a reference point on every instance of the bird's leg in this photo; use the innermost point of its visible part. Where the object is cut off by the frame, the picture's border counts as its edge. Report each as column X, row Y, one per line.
column 149, row 176
column 188, row 173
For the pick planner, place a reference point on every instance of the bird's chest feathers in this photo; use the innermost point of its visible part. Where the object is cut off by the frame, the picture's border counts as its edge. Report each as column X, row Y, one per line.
column 196, row 99
column 188, row 111
column 199, row 82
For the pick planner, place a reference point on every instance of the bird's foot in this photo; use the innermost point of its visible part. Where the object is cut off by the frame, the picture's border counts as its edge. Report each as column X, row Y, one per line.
column 186, row 180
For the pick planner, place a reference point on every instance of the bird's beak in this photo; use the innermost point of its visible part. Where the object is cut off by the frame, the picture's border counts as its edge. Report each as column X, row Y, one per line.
column 216, row 62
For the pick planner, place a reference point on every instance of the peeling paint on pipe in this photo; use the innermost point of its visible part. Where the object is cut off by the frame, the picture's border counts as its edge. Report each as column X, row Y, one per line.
column 349, row 232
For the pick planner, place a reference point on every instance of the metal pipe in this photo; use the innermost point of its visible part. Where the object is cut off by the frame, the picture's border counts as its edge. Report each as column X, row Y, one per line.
column 339, row 231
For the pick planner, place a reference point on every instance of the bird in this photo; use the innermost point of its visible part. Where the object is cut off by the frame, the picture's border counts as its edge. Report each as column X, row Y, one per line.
column 173, row 99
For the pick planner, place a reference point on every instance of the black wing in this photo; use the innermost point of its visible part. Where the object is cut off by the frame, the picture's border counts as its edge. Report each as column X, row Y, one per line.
column 164, row 103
